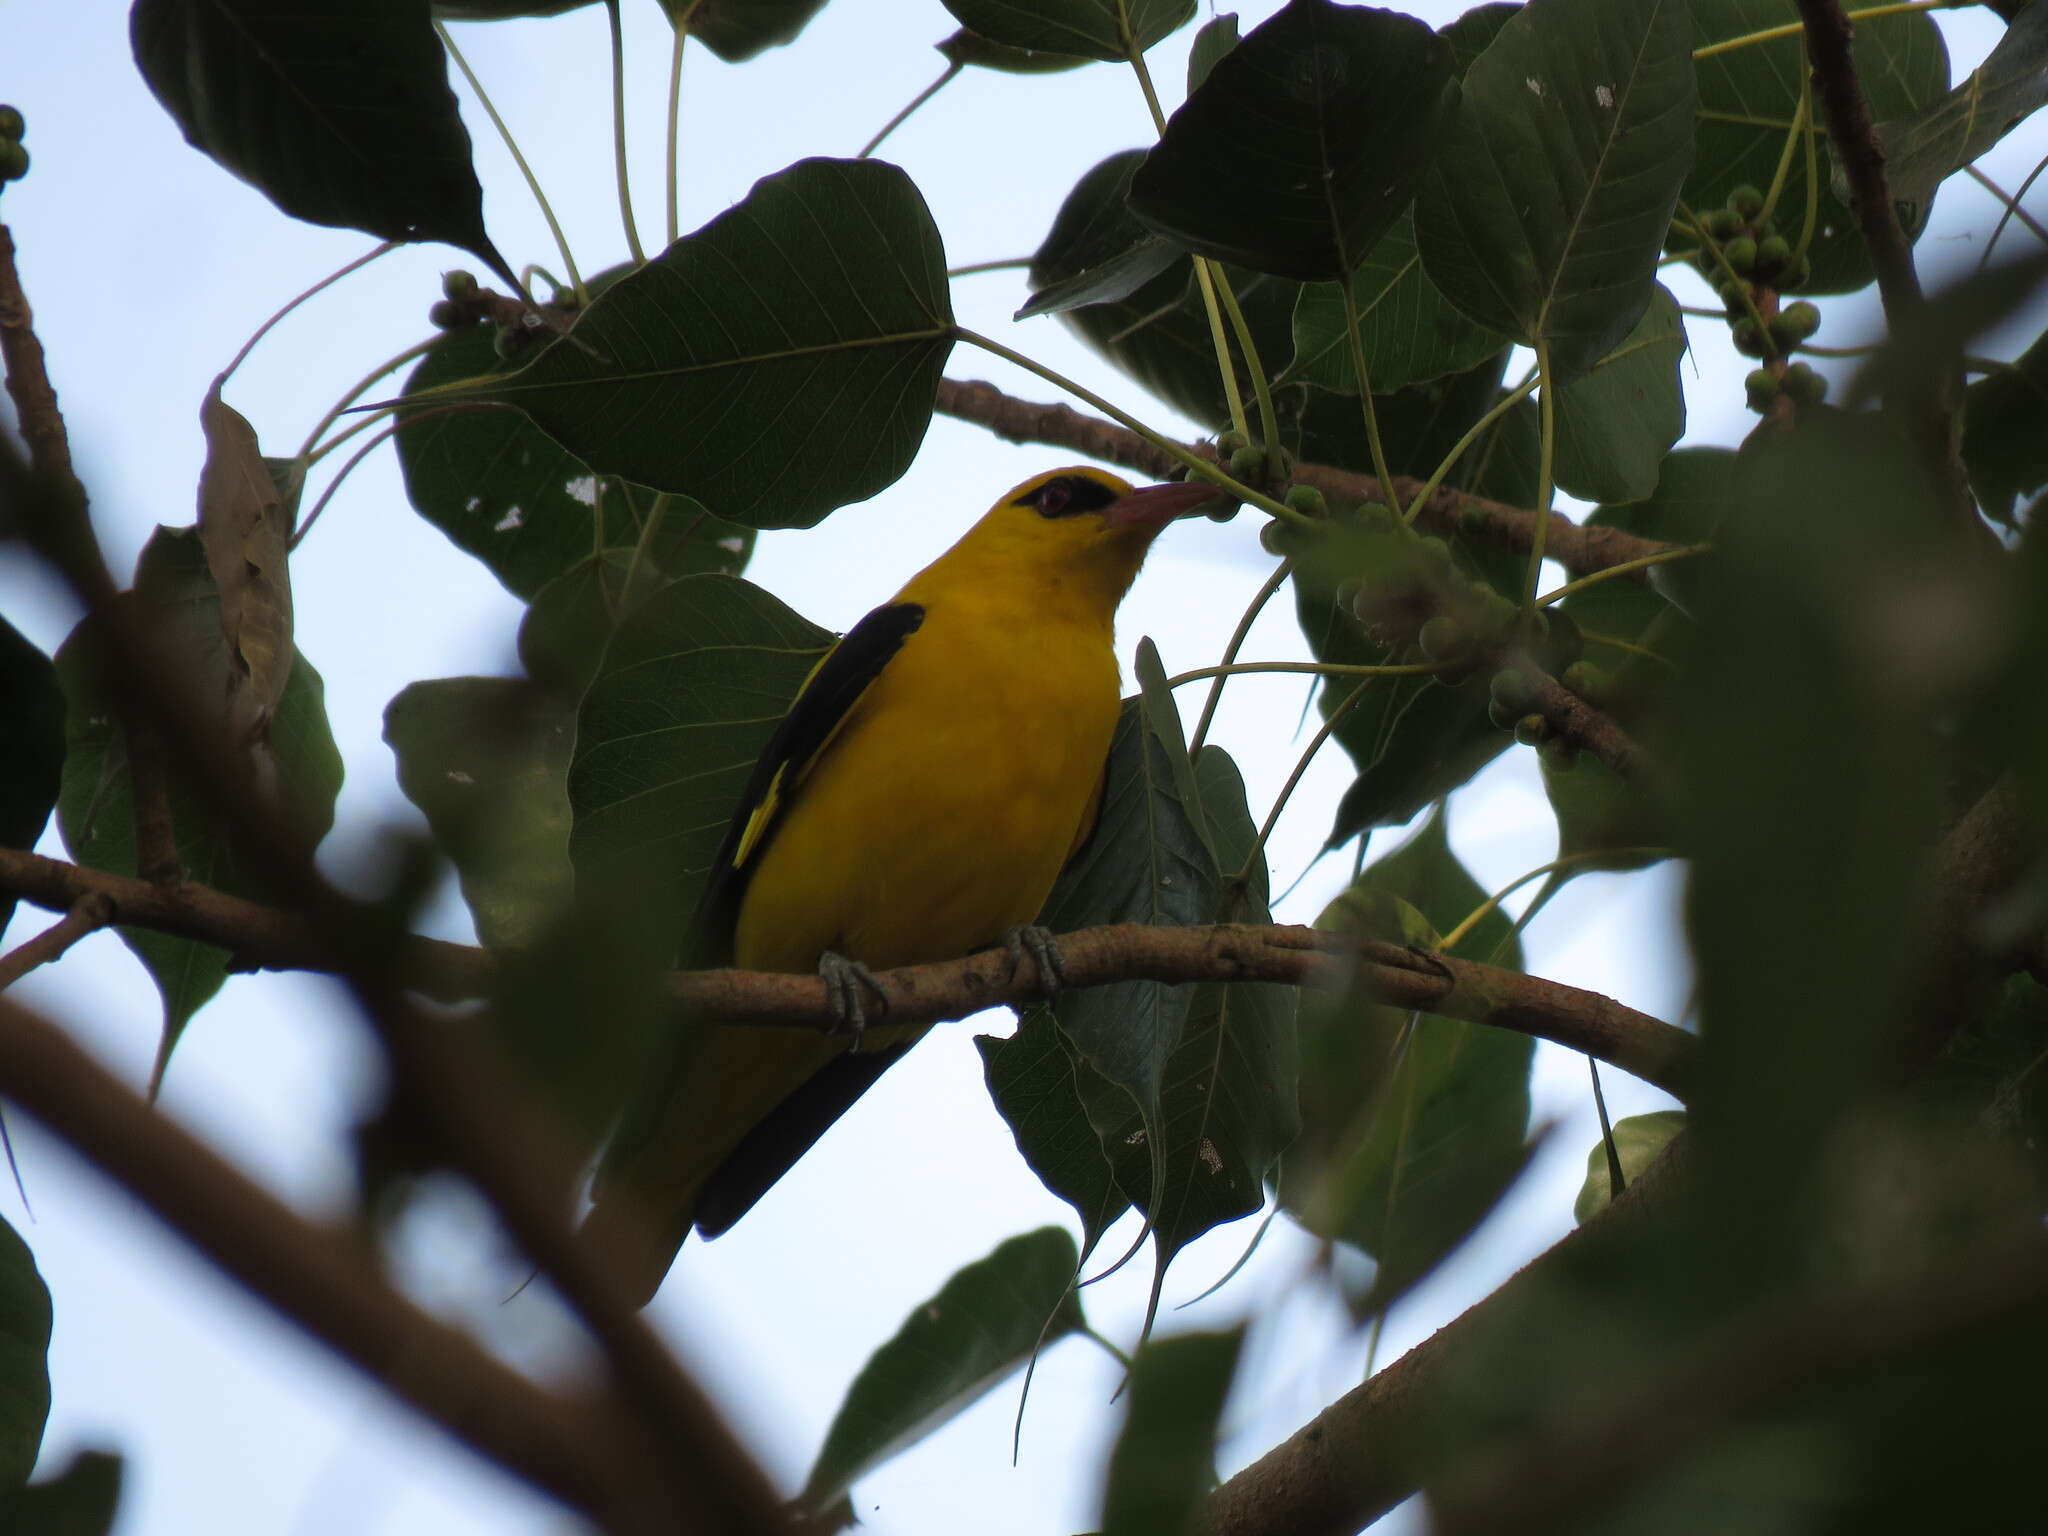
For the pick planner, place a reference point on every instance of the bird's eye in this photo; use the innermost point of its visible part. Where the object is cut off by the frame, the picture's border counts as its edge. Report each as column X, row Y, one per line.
column 1052, row 498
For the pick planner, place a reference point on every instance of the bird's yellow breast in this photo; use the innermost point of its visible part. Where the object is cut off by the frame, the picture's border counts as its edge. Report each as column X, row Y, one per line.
column 940, row 814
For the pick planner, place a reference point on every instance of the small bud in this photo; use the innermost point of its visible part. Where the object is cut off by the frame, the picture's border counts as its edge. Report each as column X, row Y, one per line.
column 1772, row 254
column 1761, row 386
column 1745, row 202
column 12, row 124
column 1558, row 754
column 449, row 316
column 1749, row 339
column 1722, row 225
column 1804, row 385
column 458, row 285
column 1512, row 690
column 1443, row 638
column 1794, row 323
column 1247, row 463
column 1531, row 730
column 1740, row 253
column 13, row 160
column 1228, row 443
column 1307, row 500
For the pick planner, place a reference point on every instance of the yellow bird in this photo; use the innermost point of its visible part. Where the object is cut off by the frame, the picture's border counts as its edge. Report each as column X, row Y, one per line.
column 916, row 804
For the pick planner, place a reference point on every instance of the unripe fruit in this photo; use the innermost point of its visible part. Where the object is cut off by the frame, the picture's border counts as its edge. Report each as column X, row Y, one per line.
column 458, row 285
column 1307, row 500
column 13, row 160
column 1772, row 253
column 1228, row 443
column 448, row 316
column 1562, row 642
column 1271, row 537
column 505, row 341
column 1745, row 202
column 1501, row 719
column 1558, row 754
column 1794, row 323
column 1594, row 684
column 1749, row 339
column 1804, row 385
column 1513, row 692
column 1796, row 272
column 1722, row 224
column 1761, row 387
column 1531, row 730
column 1740, row 253
column 1495, row 618
column 1443, row 638
column 1377, row 517
column 12, row 124
column 1436, row 552
column 1247, row 463
column 1734, row 293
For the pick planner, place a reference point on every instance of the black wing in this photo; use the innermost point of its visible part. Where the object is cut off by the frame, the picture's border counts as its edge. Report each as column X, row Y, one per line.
column 818, row 710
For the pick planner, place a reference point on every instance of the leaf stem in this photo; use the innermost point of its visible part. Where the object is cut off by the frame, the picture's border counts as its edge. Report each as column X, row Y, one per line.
column 1265, row 593
column 1359, row 371
column 1479, row 914
column 1793, row 28
column 680, row 22
column 611, row 16
column 1007, row 264
column 2013, row 210
column 1546, row 464
column 1626, row 568
column 1198, row 466
column 547, row 210
column 355, row 392
column 1800, row 118
column 923, row 96
column 1269, row 421
column 1494, row 413
column 328, row 281
column 1311, row 669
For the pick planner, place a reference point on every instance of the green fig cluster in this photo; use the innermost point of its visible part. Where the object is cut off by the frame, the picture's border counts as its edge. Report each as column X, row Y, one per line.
column 461, row 302
column 13, row 158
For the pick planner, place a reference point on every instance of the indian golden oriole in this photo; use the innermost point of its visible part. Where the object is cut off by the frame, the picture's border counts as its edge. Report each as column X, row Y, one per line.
column 933, row 774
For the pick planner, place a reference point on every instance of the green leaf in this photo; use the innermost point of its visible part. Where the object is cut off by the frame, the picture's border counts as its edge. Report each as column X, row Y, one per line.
column 502, row 10
column 1114, row 277
column 1749, row 96
column 737, row 30
column 693, row 683
column 971, row 50
column 1094, row 29
column 1147, row 862
column 1686, row 508
column 1616, row 422
column 487, row 760
column 1473, row 33
column 1546, row 206
column 1924, row 150
column 1216, row 38
column 175, row 601
column 1411, row 333
column 1322, row 120
column 24, row 1360
column 2005, row 431
column 1638, row 1141
column 1033, row 1079
column 570, row 620
column 31, row 748
column 986, row 1321
column 338, row 111
column 1165, row 1455
column 79, row 1501
column 503, row 490
column 775, row 365
column 1157, row 334
column 1410, row 1134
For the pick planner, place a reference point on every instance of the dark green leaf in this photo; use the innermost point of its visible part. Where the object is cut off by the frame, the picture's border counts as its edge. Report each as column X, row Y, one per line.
column 570, row 620
column 1638, row 1141
column 1686, row 508
column 736, row 30
column 691, row 686
column 2005, row 431
column 1032, row 1077
column 1410, row 1133
column 79, row 1501
column 337, row 110
column 1216, row 38
column 1473, row 33
column 1157, row 334
column 1094, row 29
column 24, row 1360
column 1749, row 96
column 1922, row 151
column 502, row 10
column 1114, row 278
column 775, row 365
column 1319, row 125
column 1165, row 1456
column 969, row 49
column 984, row 1323
column 31, row 748
column 487, row 760
column 1410, row 332
column 1549, row 199
column 1616, row 422
column 175, row 600
column 1146, row 863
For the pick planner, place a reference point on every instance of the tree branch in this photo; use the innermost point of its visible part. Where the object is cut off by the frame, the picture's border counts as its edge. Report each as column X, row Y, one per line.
column 1932, row 385
column 89, row 914
column 1584, row 726
column 1579, row 549
column 583, row 1453
column 262, row 938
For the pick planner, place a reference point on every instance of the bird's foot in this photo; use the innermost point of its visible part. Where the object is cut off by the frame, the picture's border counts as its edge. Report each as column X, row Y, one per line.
column 844, row 979
column 1044, row 950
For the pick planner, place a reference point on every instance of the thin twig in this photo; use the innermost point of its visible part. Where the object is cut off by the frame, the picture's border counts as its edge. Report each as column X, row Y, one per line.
column 88, row 916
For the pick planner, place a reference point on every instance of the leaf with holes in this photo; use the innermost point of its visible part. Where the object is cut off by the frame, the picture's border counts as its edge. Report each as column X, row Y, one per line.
column 1544, row 211
column 774, row 366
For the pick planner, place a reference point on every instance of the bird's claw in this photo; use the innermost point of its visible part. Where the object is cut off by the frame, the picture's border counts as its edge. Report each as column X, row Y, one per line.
column 1044, row 950
column 843, row 980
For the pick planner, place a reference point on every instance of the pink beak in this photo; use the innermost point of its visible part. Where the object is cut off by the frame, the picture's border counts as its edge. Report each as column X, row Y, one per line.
column 1154, row 506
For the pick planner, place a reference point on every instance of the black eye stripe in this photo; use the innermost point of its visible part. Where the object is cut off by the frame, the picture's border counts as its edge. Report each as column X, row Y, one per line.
column 1067, row 495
